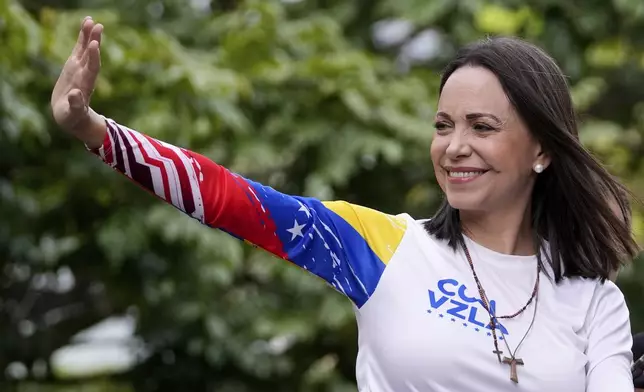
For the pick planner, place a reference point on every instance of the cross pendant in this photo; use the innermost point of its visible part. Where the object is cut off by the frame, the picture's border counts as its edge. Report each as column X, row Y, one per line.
column 513, row 362
column 498, row 354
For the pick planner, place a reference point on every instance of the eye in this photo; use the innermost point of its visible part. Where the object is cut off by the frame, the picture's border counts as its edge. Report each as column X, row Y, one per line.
column 483, row 127
column 441, row 126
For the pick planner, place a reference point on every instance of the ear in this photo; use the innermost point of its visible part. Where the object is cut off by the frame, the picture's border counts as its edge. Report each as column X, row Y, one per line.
column 543, row 158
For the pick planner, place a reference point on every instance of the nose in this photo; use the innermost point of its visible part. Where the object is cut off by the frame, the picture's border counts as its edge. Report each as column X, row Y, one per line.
column 458, row 146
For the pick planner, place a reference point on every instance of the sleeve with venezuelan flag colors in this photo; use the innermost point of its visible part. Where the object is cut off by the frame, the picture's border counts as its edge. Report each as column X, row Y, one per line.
column 346, row 245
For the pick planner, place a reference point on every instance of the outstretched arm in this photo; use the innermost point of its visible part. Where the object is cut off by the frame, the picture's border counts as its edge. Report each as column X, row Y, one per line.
column 346, row 245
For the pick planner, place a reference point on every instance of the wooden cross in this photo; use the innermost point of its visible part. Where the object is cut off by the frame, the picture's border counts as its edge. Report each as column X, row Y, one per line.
column 498, row 354
column 513, row 362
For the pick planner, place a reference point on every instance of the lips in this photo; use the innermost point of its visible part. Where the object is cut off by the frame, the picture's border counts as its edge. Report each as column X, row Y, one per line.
column 467, row 174
column 462, row 175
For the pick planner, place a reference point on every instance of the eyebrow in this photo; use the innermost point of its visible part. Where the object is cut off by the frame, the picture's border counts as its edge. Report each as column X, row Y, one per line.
column 472, row 116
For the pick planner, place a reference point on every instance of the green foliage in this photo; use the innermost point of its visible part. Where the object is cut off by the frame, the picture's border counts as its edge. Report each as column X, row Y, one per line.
column 291, row 94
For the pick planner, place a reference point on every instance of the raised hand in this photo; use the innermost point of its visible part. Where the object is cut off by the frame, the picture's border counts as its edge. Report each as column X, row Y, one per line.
column 73, row 90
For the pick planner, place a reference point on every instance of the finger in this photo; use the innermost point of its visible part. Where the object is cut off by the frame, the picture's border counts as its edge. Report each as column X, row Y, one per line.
column 94, row 36
column 83, row 37
column 79, row 40
column 93, row 59
column 96, row 33
column 76, row 101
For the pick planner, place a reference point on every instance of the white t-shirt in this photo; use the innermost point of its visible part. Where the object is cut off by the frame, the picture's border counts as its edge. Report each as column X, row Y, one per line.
column 421, row 328
column 424, row 330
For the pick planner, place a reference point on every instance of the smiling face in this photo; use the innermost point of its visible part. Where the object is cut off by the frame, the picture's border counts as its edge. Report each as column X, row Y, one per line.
column 483, row 153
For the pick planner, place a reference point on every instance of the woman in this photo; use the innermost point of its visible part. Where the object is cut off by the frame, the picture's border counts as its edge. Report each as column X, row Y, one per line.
column 504, row 289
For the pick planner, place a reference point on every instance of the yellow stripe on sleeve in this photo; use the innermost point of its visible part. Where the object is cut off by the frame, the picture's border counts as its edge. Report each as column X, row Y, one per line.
column 382, row 232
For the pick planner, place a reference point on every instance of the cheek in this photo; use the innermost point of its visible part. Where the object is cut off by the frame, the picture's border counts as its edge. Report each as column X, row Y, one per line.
column 436, row 152
column 512, row 159
column 502, row 155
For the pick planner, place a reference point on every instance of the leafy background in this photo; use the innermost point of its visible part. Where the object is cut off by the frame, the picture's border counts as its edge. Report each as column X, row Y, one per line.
column 326, row 98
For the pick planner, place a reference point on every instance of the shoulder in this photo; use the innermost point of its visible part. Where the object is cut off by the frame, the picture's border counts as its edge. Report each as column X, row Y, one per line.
column 608, row 300
column 368, row 221
column 579, row 290
column 586, row 301
column 350, row 211
column 595, row 289
column 382, row 231
column 599, row 301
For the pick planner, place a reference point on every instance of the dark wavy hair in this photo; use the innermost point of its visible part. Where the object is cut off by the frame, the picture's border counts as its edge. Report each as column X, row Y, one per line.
column 573, row 201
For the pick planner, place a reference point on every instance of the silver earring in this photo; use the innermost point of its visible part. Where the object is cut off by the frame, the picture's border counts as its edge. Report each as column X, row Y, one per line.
column 538, row 168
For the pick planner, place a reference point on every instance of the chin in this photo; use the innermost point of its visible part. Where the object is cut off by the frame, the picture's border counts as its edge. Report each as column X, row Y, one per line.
column 466, row 202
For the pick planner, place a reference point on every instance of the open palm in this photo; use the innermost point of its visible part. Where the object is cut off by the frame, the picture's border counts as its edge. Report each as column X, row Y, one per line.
column 72, row 92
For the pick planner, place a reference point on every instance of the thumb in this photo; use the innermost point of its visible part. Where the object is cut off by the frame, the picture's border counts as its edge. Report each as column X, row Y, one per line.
column 76, row 101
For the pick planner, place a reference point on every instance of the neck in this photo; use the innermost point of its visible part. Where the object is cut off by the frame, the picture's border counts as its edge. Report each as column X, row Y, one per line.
column 508, row 232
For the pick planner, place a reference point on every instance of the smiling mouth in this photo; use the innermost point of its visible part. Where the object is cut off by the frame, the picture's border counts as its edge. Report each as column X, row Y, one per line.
column 465, row 174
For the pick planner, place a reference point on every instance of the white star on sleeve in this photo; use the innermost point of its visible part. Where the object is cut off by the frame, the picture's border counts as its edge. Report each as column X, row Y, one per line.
column 296, row 230
column 304, row 209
